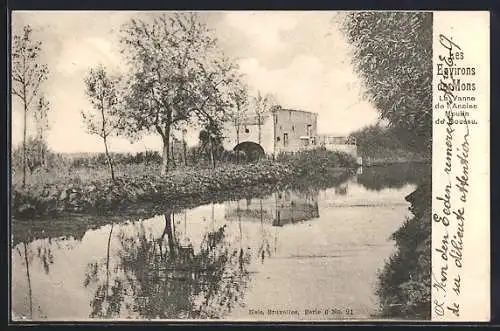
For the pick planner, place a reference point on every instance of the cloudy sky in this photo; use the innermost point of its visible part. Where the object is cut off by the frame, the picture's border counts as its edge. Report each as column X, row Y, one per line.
column 300, row 57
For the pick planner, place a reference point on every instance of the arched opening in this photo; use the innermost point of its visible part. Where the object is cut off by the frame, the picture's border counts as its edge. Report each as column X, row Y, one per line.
column 253, row 151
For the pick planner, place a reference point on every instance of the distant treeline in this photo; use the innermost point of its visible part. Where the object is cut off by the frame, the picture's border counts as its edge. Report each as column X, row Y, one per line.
column 394, row 175
column 40, row 156
column 375, row 139
column 377, row 142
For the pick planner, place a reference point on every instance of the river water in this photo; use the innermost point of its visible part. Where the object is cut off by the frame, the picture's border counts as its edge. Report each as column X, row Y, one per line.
column 268, row 258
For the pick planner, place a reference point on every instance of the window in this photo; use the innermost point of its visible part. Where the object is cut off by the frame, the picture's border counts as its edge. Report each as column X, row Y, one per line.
column 285, row 139
column 247, row 130
column 308, row 130
column 293, row 128
column 278, row 139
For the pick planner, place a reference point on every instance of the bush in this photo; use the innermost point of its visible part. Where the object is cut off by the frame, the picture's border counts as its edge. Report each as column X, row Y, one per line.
column 376, row 142
column 100, row 159
column 38, row 156
column 316, row 161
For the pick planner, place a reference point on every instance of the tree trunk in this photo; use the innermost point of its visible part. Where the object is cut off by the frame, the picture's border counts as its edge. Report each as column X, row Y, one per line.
column 24, row 141
column 108, row 158
column 42, row 153
column 173, row 153
column 260, row 129
column 170, row 235
column 105, row 139
column 237, row 142
column 107, row 265
column 166, row 152
column 237, row 134
column 184, row 151
column 30, row 294
column 212, row 159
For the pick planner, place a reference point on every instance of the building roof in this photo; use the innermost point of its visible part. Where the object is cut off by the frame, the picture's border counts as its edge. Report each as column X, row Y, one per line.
column 294, row 110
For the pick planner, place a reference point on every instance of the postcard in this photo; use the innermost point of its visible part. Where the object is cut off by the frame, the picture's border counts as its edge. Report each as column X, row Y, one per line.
column 250, row 166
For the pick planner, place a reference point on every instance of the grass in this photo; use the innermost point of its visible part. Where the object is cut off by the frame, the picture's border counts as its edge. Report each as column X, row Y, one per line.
column 81, row 175
column 303, row 163
column 90, row 189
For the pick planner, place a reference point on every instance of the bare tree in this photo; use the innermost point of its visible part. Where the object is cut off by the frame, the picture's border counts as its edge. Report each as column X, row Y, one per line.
column 101, row 120
column 178, row 76
column 27, row 75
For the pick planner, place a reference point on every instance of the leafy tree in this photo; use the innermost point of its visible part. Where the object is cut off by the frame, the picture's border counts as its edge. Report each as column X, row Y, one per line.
column 178, row 76
column 262, row 104
column 393, row 54
column 27, row 75
column 377, row 140
column 101, row 120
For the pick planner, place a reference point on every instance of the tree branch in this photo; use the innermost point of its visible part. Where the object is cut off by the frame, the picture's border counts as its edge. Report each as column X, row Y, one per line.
column 17, row 78
column 16, row 92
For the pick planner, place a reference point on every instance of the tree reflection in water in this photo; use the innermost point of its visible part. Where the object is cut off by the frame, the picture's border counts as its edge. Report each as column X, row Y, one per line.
column 38, row 250
column 158, row 278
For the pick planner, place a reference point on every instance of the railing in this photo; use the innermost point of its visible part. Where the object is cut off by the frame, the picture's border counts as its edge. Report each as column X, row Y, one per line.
column 327, row 141
column 336, row 140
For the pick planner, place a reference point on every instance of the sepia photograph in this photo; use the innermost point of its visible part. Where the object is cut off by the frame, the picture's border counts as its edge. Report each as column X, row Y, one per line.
column 221, row 165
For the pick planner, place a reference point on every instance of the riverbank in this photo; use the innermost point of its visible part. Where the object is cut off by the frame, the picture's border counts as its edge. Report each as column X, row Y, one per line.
column 404, row 287
column 373, row 161
column 150, row 192
column 385, row 157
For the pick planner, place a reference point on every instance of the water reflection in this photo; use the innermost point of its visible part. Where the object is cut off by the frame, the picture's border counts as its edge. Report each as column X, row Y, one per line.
column 393, row 176
column 209, row 261
column 163, row 278
column 33, row 255
column 279, row 209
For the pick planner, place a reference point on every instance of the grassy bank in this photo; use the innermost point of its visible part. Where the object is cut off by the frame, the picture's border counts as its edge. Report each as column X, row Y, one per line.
column 141, row 188
column 404, row 287
column 383, row 157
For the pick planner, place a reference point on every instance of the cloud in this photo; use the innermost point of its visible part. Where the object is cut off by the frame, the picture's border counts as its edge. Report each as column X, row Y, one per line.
column 313, row 74
column 79, row 54
column 298, row 56
column 310, row 84
column 262, row 29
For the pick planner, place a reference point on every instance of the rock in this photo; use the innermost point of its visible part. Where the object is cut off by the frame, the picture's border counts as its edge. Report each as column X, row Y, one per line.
column 63, row 195
column 45, row 192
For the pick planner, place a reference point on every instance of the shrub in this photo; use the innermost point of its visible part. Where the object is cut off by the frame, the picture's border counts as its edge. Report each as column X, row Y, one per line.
column 316, row 161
